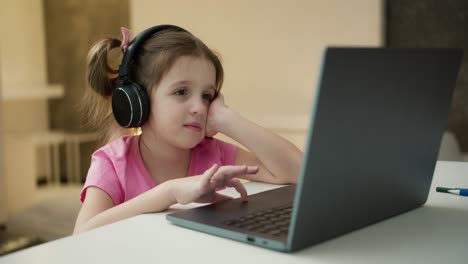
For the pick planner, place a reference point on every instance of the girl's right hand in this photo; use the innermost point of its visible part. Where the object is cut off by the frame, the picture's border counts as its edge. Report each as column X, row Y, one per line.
column 202, row 188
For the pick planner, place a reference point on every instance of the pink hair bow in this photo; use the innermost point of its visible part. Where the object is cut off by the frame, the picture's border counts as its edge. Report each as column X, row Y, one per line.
column 125, row 38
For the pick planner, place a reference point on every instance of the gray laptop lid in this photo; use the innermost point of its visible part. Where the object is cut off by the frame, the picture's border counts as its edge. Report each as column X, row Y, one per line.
column 375, row 135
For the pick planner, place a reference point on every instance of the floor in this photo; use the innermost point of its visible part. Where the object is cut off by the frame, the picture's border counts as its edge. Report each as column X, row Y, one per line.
column 10, row 243
column 51, row 217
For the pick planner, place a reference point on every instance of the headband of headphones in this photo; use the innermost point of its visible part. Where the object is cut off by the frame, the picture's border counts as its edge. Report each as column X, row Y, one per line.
column 136, row 44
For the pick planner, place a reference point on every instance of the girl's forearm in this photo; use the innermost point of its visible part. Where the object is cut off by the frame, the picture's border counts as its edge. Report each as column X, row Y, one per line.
column 279, row 156
column 155, row 200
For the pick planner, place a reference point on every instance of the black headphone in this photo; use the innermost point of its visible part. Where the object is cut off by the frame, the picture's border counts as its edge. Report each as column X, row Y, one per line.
column 130, row 102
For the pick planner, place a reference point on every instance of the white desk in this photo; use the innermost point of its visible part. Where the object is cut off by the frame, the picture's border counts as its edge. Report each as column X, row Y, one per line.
column 434, row 233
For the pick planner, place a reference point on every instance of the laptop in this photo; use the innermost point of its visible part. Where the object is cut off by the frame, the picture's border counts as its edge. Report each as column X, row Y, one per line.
column 372, row 147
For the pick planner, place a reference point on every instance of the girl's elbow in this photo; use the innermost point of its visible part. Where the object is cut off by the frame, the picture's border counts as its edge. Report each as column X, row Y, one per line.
column 80, row 228
column 76, row 230
column 298, row 160
column 296, row 169
column 293, row 179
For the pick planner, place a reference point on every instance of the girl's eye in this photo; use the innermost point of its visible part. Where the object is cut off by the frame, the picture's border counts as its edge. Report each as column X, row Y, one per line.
column 181, row 92
column 208, row 97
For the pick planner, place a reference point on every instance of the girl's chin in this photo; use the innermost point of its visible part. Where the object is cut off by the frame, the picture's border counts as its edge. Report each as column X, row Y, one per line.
column 189, row 144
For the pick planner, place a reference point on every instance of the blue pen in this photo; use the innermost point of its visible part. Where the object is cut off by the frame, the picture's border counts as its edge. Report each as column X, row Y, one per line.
column 456, row 191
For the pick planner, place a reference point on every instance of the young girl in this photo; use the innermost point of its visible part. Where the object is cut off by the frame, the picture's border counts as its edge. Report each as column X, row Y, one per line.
column 148, row 172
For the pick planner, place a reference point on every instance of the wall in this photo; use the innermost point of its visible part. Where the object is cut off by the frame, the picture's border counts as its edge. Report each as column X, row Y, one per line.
column 23, row 68
column 3, row 188
column 72, row 27
column 23, row 59
column 271, row 50
column 440, row 24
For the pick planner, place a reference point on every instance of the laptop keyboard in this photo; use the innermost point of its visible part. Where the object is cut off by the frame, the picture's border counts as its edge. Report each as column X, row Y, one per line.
column 274, row 221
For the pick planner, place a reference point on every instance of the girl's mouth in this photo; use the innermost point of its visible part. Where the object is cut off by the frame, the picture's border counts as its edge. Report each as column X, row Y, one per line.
column 193, row 128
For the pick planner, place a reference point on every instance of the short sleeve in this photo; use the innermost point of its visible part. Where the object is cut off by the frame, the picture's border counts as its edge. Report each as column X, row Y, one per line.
column 228, row 152
column 102, row 174
column 211, row 151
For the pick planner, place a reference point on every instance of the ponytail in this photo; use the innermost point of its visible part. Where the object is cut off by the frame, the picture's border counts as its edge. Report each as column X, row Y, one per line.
column 101, row 75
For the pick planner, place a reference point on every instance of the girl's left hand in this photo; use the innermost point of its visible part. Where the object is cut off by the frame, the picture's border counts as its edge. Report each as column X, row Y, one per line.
column 214, row 118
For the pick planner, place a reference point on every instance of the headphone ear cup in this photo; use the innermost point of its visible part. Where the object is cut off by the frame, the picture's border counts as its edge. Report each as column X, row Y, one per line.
column 144, row 102
column 130, row 105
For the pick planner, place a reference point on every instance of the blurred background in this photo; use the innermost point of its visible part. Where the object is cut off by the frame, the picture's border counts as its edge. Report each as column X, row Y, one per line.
column 271, row 52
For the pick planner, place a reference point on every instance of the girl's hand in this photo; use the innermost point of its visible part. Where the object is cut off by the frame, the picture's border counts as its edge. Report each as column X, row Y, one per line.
column 202, row 188
column 216, row 110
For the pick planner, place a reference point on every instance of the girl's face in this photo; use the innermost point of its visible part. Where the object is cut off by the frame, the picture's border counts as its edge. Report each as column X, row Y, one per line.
column 179, row 104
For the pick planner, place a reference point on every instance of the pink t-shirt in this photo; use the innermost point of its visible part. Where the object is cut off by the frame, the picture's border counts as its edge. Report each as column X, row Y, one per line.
column 118, row 169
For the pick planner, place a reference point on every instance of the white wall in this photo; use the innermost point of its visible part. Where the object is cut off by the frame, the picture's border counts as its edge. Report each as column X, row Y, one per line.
column 23, row 71
column 271, row 50
column 22, row 53
column 3, row 188
column 22, row 38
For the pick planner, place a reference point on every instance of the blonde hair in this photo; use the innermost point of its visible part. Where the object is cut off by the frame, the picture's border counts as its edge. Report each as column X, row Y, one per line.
column 150, row 64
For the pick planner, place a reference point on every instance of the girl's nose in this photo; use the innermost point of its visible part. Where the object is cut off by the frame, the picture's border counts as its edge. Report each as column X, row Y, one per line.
column 197, row 106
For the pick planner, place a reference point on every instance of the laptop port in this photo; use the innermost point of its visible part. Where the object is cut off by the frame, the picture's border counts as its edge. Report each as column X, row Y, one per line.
column 250, row 239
